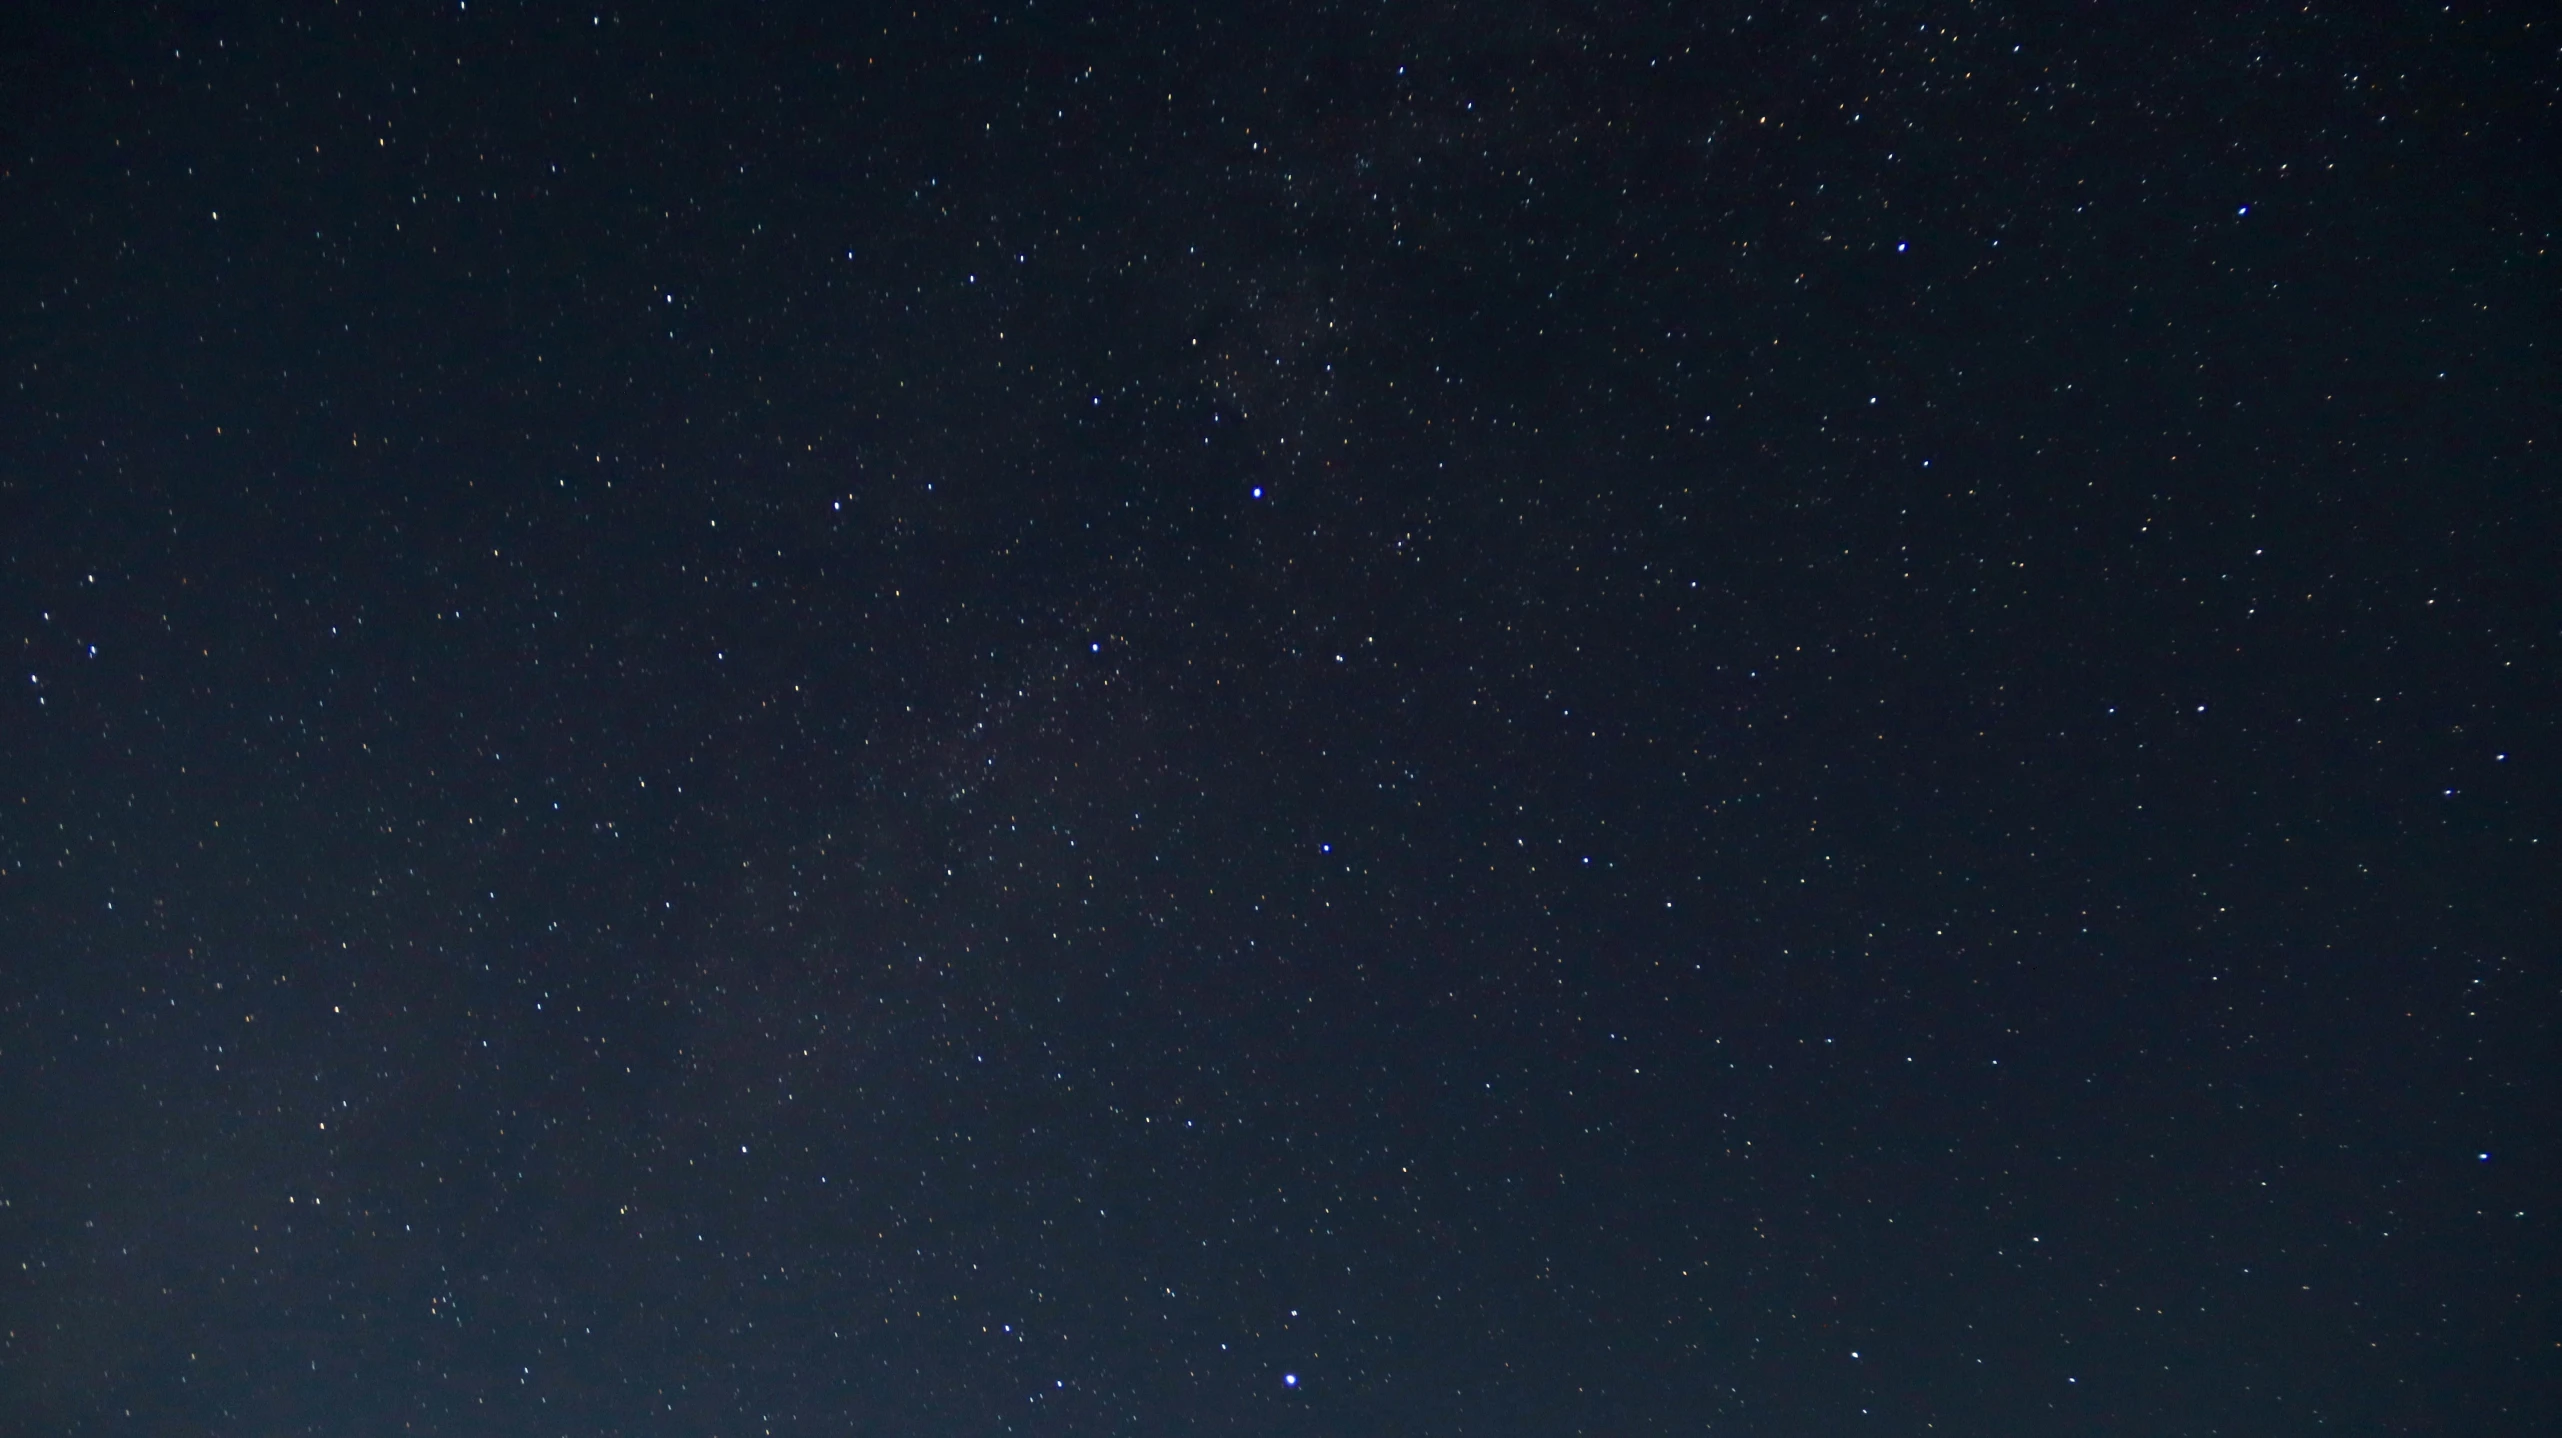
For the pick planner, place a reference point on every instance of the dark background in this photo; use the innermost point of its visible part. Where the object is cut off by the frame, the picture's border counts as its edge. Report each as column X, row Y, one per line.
column 1780, row 719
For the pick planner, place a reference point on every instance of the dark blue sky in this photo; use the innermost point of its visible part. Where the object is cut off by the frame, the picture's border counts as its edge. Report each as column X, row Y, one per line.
column 1349, row 719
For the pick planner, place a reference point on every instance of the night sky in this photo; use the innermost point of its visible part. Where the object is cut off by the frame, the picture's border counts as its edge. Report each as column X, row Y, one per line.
column 1377, row 718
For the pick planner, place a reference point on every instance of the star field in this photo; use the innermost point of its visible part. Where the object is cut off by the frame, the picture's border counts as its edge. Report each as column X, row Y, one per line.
column 1356, row 718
